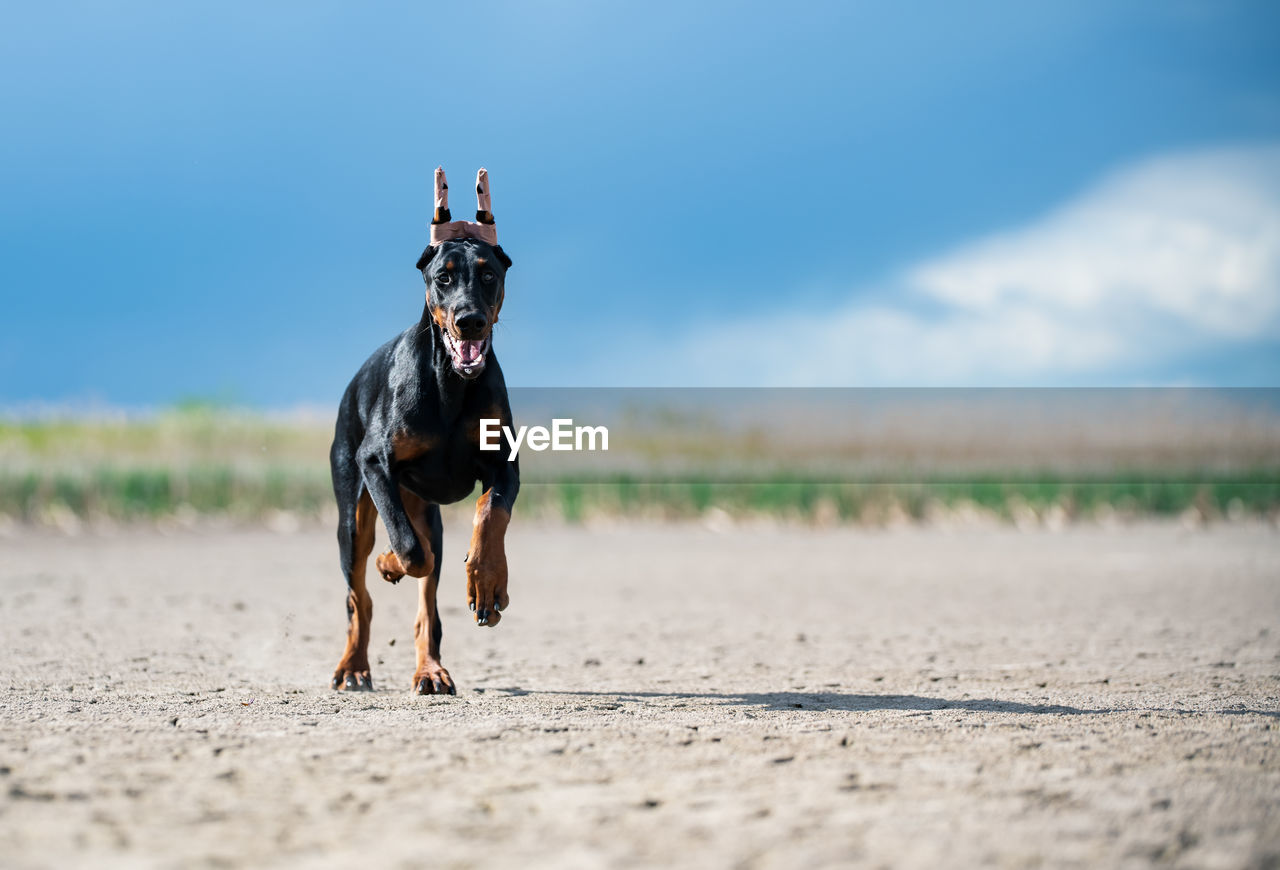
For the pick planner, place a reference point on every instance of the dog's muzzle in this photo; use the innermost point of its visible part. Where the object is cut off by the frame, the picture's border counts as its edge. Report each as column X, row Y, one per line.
column 468, row 356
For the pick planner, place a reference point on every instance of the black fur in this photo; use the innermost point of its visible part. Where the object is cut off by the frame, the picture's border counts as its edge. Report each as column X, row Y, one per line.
column 410, row 390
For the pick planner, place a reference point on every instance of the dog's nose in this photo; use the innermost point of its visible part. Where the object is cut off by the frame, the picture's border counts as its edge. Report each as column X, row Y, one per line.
column 471, row 324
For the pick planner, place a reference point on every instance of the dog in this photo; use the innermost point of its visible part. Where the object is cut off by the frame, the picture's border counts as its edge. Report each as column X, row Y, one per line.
column 407, row 440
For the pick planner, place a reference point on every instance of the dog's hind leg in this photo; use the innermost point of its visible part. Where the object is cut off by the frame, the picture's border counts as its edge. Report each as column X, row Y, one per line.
column 356, row 527
column 430, row 678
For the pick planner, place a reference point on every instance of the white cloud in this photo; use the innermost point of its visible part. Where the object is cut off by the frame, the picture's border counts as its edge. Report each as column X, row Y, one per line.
column 1176, row 256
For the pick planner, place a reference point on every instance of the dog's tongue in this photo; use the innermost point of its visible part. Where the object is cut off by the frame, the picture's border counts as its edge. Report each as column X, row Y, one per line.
column 469, row 351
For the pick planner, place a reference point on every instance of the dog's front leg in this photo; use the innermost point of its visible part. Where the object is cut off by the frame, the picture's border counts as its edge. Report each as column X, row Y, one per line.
column 385, row 491
column 487, row 558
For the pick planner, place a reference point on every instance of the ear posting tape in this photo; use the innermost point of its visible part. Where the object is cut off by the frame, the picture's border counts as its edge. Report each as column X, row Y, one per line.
column 444, row 228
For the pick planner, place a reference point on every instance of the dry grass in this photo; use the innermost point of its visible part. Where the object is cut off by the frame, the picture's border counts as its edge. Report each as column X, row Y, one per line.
column 809, row 456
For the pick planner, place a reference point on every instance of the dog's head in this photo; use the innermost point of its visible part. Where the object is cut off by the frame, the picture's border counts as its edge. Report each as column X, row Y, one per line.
column 465, row 287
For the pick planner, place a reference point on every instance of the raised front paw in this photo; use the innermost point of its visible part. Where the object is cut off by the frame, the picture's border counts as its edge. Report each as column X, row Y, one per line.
column 389, row 567
column 352, row 679
column 417, row 563
column 433, row 679
column 487, row 589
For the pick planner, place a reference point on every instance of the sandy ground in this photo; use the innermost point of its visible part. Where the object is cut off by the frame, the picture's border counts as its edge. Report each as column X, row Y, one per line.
column 656, row 695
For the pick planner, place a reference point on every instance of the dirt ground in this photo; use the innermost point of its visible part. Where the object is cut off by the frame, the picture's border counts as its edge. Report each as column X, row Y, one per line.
column 656, row 695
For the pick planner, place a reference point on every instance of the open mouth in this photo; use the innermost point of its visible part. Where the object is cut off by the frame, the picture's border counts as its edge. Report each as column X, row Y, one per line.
column 468, row 356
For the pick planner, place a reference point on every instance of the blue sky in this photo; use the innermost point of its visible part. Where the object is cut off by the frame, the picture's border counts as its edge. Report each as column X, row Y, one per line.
column 208, row 199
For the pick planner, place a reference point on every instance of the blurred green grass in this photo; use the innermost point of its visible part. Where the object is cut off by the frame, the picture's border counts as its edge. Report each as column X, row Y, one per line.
column 200, row 460
column 876, row 502
column 248, row 494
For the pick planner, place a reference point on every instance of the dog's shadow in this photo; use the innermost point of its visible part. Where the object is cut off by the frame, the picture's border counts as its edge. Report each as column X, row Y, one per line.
column 863, row 703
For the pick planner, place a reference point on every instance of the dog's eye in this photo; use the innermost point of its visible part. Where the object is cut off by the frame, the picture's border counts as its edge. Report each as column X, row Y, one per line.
column 444, row 278
column 488, row 277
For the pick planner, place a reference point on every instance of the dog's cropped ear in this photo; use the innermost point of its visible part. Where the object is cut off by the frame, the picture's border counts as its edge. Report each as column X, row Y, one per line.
column 426, row 257
column 502, row 256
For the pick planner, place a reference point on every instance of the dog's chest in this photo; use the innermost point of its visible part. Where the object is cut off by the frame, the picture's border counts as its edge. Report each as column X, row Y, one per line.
column 441, row 467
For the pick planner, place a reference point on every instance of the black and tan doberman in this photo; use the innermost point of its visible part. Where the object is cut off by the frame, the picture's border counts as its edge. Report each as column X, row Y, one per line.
column 407, row 440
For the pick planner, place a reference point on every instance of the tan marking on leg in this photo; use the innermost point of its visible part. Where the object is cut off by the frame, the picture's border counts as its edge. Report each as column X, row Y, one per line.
column 430, row 677
column 389, row 564
column 487, row 561
column 355, row 659
column 406, row 447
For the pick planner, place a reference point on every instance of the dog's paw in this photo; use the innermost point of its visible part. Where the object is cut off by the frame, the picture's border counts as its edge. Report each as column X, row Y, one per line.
column 487, row 590
column 389, row 567
column 433, row 679
column 351, row 680
column 393, row 567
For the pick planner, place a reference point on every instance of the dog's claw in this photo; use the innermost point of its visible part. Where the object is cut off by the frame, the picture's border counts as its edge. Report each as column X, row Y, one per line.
column 435, row 683
column 352, row 681
column 435, row 687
